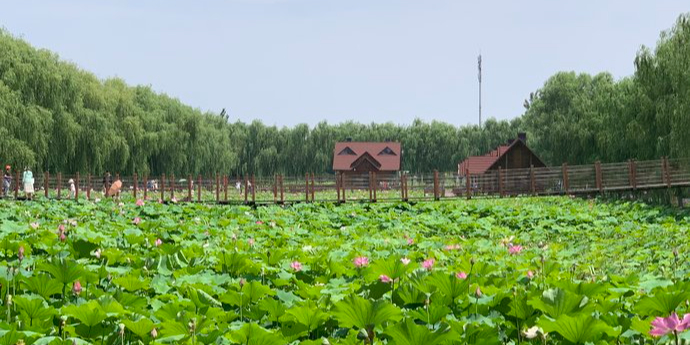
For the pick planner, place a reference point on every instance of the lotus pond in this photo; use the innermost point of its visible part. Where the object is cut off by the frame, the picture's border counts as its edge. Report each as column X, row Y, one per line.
column 510, row 271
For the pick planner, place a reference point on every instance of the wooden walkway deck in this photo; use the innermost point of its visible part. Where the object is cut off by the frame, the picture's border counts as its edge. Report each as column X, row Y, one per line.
column 597, row 178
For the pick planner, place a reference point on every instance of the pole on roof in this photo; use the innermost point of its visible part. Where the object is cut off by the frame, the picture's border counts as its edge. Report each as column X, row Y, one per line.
column 479, row 67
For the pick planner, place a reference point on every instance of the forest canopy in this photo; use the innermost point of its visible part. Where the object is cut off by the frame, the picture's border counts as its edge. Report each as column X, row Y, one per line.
column 55, row 116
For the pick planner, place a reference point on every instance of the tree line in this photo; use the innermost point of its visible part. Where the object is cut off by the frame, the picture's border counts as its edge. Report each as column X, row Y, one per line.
column 56, row 117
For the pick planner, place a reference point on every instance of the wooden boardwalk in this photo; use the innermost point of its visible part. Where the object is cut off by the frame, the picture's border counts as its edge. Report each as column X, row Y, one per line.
column 598, row 178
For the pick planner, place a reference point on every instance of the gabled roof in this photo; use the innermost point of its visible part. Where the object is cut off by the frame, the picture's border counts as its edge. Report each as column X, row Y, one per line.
column 481, row 164
column 387, row 162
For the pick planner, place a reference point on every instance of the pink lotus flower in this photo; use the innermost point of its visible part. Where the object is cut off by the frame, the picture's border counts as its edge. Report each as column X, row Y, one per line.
column 251, row 242
column 361, row 261
column 410, row 241
column 296, row 265
column 34, row 225
column 61, row 228
column 173, row 200
column 385, row 279
column 452, row 247
column 63, row 237
column 258, row 222
column 461, row 275
column 76, row 288
column 20, row 253
column 405, row 261
column 514, row 249
column 428, row 264
column 530, row 274
column 140, row 202
column 159, row 242
column 136, row 221
column 662, row 326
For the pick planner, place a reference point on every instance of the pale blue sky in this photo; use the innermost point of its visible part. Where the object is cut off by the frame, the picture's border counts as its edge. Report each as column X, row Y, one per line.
column 303, row 61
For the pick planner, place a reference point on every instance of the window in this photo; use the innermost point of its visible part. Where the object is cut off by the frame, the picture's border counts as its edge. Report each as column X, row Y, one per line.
column 347, row 151
column 387, row 152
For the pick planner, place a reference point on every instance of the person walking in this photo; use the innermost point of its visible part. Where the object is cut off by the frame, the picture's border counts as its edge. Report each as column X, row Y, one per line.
column 72, row 189
column 6, row 181
column 107, row 181
column 28, row 181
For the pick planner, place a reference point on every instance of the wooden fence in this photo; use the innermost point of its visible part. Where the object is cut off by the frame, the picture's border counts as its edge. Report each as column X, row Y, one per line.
column 597, row 178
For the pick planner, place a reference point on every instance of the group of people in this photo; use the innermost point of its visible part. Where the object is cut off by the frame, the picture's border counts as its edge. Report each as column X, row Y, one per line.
column 27, row 182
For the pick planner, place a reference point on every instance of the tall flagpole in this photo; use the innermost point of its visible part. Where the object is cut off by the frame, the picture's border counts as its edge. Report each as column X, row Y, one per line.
column 479, row 66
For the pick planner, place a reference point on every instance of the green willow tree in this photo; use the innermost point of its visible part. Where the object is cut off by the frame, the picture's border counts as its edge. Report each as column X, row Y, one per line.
column 56, row 117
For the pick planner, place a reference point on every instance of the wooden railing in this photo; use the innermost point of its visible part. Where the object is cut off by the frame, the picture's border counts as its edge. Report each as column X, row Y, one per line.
column 597, row 178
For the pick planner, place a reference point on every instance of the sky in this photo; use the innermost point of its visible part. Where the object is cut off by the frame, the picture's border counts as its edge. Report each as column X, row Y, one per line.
column 286, row 62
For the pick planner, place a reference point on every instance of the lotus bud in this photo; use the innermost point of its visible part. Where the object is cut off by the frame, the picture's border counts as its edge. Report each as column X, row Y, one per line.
column 122, row 329
column 242, row 282
column 63, row 238
column 76, row 288
column 20, row 253
column 154, row 333
column 9, row 300
column 472, row 261
column 159, row 242
column 478, row 292
column 192, row 325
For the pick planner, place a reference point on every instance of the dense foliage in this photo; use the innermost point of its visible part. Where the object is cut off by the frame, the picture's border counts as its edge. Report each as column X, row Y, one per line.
column 57, row 117
column 554, row 270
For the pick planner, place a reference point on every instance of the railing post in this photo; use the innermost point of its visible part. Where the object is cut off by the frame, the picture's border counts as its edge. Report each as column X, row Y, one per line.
column 190, row 197
column 253, row 189
column 88, row 187
column 217, row 188
column 312, row 187
column 597, row 171
column 337, row 184
column 282, row 190
column 468, row 184
column 172, row 186
column 306, row 187
column 59, row 185
column 371, row 193
column 162, row 187
column 76, row 187
column 402, row 187
column 407, row 195
column 136, row 182
column 225, row 188
column 16, row 185
column 200, row 183
column 246, row 189
column 374, row 184
column 631, row 174
column 343, row 185
column 117, row 177
column 500, row 181
column 46, row 184
column 146, row 187
column 566, row 183
column 667, row 174
column 532, row 182
column 436, row 189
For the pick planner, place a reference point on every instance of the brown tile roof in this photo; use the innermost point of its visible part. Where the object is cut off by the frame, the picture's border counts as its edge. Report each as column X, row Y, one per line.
column 388, row 162
column 481, row 164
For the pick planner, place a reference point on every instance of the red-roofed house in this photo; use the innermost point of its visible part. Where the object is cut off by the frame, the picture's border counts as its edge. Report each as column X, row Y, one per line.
column 360, row 158
column 514, row 155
